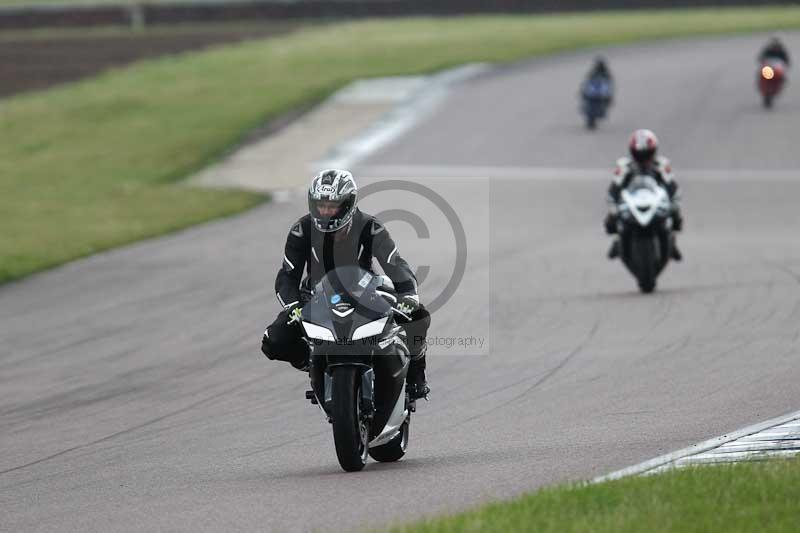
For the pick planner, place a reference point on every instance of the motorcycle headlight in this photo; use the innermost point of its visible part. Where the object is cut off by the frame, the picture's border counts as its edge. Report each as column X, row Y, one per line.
column 318, row 332
column 370, row 329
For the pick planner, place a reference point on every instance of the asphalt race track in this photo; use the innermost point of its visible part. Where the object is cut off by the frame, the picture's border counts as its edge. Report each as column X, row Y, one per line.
column 133, row 395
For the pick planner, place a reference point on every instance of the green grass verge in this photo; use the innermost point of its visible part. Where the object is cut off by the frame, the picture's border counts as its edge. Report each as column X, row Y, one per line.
column 746, row 497
column 94, row 164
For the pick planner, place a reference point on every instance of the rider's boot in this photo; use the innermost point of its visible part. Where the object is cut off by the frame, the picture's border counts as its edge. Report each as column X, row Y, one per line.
column 610, row 224
column 675, row 252
column 677, row 219
column 613, row 252
column 677, row 225
column 416, row 384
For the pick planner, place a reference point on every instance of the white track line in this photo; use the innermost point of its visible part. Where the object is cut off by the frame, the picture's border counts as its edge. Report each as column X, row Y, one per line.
column 420, row 95
column 671, row 459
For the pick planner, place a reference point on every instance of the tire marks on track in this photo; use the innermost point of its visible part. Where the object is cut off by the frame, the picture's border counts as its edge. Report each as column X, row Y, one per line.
column 536, row 384
column 136, row 427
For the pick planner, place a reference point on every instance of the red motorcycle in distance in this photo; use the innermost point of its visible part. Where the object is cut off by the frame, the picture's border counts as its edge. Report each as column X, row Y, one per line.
column 771, row 78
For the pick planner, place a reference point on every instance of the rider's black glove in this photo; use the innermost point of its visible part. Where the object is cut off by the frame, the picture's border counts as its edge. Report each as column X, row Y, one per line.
column 293, row 313
column 408, row 304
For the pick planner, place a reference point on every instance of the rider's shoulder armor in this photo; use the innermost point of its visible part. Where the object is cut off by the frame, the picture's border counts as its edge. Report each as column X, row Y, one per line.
column 301, row 229
column 665, row 168
column 622, row 168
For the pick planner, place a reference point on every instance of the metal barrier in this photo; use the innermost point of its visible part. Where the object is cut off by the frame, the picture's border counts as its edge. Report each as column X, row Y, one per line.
column 140, row 14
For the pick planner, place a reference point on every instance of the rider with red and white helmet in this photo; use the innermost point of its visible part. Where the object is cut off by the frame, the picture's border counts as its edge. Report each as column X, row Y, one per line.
column 643, row 147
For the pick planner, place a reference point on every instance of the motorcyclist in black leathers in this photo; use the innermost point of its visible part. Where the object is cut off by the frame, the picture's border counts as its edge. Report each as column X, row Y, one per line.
column 600, row 70
column 774, row 49
column 334, row 234
column 643, row 160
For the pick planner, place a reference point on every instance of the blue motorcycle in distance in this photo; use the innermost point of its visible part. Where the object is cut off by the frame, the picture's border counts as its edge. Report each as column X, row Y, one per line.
column 596, row 94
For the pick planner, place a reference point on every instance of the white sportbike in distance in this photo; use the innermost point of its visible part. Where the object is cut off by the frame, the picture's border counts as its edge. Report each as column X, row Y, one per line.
column 645, row 230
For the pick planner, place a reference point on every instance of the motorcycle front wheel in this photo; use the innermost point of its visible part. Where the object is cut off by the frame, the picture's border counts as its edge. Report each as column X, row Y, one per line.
column 350, row 429
column 646, row 263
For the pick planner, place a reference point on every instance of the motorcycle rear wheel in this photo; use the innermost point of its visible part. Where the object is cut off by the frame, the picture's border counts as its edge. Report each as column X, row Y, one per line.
column 350, row 430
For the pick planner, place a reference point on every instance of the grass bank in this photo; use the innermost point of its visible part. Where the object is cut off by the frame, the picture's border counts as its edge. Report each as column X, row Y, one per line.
column 746, row 497
column 95, row 164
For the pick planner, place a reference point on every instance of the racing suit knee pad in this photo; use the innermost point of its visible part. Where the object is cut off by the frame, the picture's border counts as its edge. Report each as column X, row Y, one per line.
column 266, row 347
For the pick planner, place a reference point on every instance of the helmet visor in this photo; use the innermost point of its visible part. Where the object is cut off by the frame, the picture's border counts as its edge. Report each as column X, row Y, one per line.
column 331, row 215
column 643, row 156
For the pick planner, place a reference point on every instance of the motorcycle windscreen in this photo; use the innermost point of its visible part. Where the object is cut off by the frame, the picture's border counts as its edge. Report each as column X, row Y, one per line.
column 346, row 299
column 645, row 198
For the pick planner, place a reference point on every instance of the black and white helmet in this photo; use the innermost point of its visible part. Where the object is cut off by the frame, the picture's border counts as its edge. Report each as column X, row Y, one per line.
column 332, row 198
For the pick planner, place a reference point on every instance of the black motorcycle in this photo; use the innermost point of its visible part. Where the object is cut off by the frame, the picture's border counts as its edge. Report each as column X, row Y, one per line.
column 358, row 367
column 645, row 229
